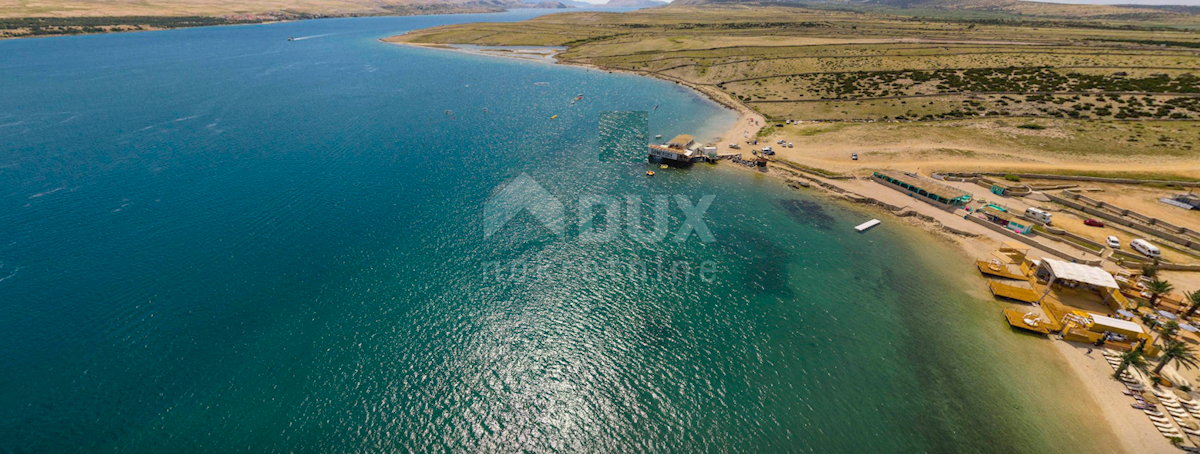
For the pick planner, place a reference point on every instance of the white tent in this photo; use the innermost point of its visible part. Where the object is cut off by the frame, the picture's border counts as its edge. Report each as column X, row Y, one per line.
column 1116, row 325
column 1080, row 273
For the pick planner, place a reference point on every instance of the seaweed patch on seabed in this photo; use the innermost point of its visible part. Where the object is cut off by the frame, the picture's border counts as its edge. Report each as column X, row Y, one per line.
column 807, row 212
column 766, row 266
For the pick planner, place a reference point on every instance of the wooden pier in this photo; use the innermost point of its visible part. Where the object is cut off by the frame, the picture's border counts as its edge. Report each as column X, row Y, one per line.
column 1017, row 319
column 1012, row 292
column 997, row 269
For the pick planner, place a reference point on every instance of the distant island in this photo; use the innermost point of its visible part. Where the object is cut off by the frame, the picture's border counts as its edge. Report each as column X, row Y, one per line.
column 634, row 3
column 70, row 17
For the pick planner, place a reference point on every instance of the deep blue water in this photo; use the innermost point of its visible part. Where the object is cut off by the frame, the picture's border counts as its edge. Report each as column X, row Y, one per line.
column 217, row 240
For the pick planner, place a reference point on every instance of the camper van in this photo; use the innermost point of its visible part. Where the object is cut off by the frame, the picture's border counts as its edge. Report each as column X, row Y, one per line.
column 1143, row 246
column 1037, row 215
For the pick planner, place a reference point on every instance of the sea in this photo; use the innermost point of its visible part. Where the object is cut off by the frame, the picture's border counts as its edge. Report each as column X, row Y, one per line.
column 219, row 240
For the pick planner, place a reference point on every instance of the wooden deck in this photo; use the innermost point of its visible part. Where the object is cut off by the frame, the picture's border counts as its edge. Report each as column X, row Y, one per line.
column 1004, row 271
column 1022, row 294
column 1017, row 319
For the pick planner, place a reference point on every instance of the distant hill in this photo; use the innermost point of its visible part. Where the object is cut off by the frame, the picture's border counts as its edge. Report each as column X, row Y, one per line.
column 566, row 3
column 242, row 9
column 634, row 3
column 982, row 8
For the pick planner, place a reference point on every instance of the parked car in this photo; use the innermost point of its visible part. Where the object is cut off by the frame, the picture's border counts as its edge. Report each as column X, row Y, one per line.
column 1093, row 222
column 1113, row 242
column 853, row 156
column 1147, row 249
column 1038, row 215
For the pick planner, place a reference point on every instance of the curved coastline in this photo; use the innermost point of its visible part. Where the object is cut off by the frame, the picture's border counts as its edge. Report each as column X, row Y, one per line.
column 970, row 240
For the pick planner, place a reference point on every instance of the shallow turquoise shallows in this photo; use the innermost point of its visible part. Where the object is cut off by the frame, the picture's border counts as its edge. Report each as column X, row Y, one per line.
column 217, row 240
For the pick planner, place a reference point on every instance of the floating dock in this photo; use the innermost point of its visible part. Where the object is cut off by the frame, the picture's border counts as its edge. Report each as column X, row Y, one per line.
column 997, row 269
column 1012, row 292
column 866, row 225
column 1017, row 320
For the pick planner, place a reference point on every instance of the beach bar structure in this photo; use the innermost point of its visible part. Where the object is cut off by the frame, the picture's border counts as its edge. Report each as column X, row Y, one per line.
column 1081, row 279
column 1006, row 220
column 926, row 189
column 682, row 151
column 1080, row 326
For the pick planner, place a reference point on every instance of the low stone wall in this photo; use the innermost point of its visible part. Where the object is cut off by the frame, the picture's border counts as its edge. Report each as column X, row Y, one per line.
column 1171, row 228
column 1073, row 202
column 1061, row 232
column 1043, row 176
column 1034, row 243
column 797, row 167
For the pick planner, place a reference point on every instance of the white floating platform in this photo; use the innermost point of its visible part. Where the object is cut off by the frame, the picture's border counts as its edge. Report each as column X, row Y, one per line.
column 867, row 225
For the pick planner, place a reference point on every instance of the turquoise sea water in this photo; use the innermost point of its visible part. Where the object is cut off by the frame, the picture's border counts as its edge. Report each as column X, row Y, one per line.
column 216, row 240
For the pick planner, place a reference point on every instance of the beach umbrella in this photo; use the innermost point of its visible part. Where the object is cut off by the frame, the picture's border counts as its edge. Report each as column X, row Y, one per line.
column 1167, row 315
column 1125, row 313
column 1182, row 394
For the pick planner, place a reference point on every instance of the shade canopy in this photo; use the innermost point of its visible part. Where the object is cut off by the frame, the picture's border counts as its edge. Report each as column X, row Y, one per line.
column 1188, row 328
column 1167, row 315
column 1125, row 313
column 1115, row 325
column 1093, row 275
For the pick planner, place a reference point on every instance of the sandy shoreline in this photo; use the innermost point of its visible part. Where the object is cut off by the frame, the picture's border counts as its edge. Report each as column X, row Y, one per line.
column 1131, row 429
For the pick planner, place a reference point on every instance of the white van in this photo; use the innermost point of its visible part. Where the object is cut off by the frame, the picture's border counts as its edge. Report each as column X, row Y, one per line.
column 1147, row 249
column 1038, row 215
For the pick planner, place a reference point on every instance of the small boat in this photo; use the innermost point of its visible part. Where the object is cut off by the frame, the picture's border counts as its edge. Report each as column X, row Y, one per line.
column 553, row 117
column 662, row 166
column 291, row 38
column 658, row 136
column 649, row 173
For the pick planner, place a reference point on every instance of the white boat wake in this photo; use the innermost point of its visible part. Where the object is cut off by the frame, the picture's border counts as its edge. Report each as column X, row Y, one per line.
column 302, row 38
